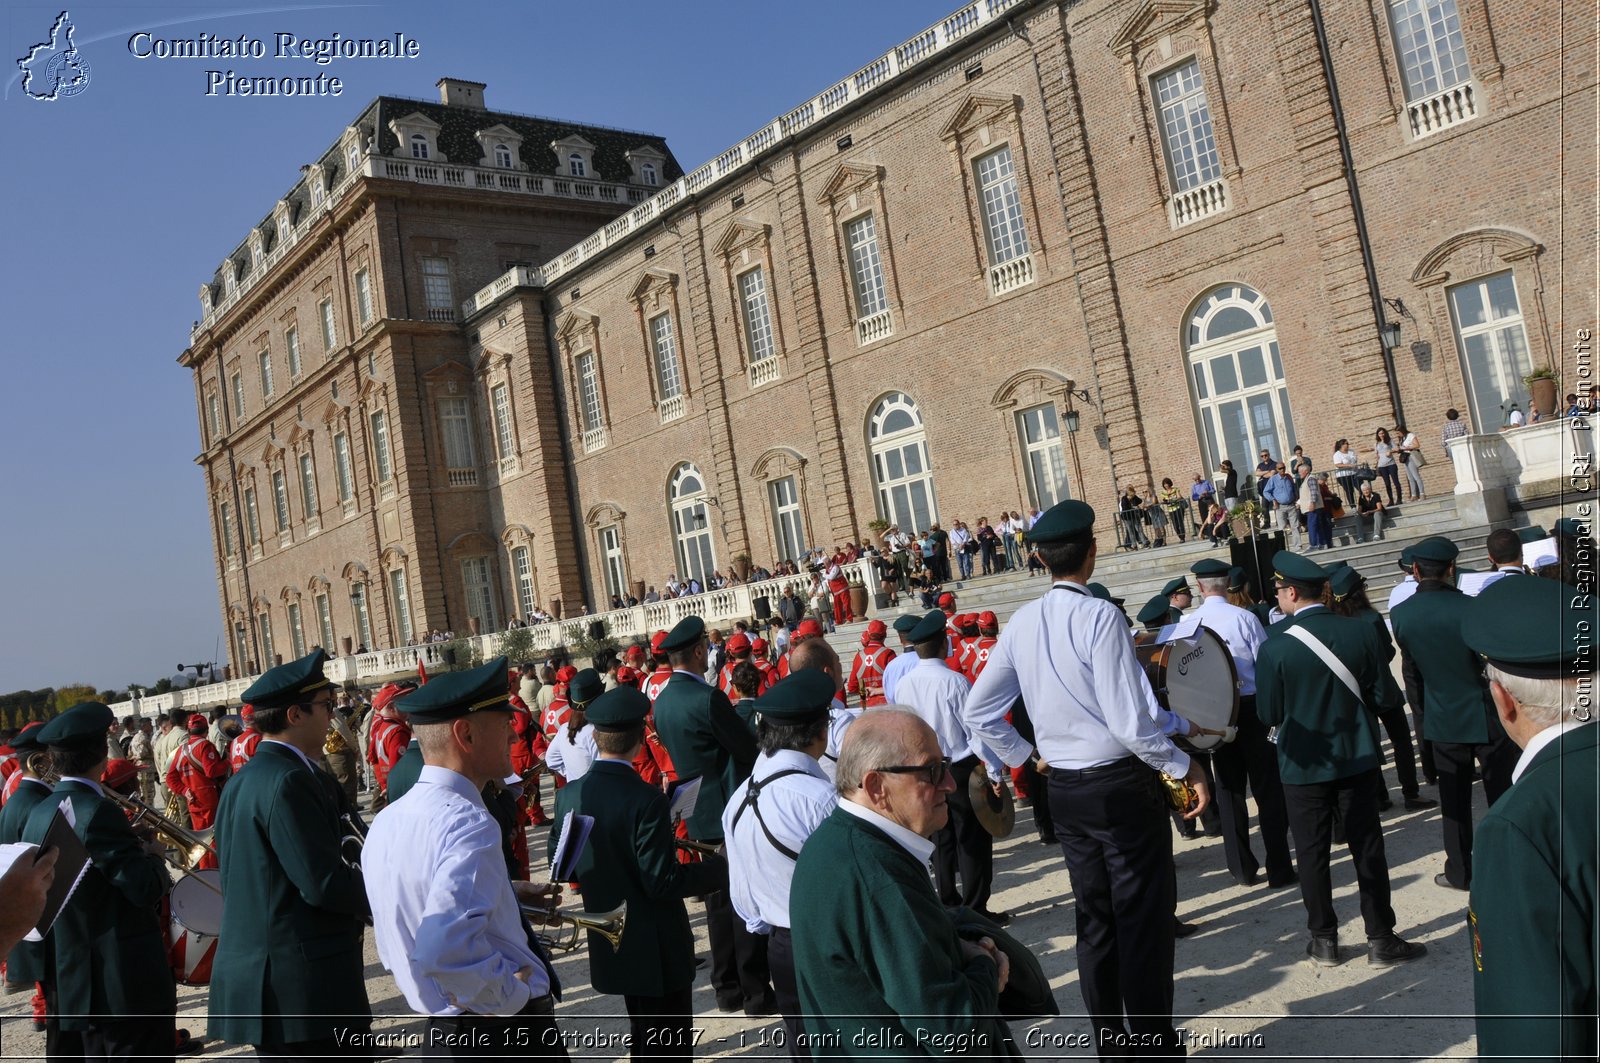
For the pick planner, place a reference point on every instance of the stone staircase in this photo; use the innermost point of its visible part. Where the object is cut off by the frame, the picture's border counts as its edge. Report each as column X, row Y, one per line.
column 1136, row 576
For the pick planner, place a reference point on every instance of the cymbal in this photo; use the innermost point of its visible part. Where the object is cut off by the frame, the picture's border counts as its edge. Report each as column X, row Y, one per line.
column 997, row 814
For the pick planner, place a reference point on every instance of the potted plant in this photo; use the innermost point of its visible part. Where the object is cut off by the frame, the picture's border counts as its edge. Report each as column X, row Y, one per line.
column 741, row 566
column 1543, row 385
column 878, row 526
column 1244, row 518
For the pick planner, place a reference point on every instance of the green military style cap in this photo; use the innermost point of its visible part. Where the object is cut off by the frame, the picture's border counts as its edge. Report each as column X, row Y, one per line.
column 1099, row 590
column 619, row 709
column 1301, row 571
column 1344, row 581
column 1406, row 558
column 81, row 727
column 1532, row 534
column 1156, row 610
column 1237, row 578
column 1209, row 566
column 1571, row 527
column 289, row 684
column 1531, row 627
column 585, row 687
column 905, row 622
column 27, row 739
column 1435, row 548
column 798, row 697
column 1176, row 585
column 928, row 628
column 455, row 694
column 1063, row 522
column 684, row 634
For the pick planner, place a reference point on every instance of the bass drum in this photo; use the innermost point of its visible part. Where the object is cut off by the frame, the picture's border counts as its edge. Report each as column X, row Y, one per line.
column 1196, row 680
column 196, row 904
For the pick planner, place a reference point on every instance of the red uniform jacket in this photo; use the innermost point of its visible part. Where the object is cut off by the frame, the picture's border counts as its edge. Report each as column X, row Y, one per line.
column 386, row 746
column 866, row 674
column 197, row 772
column 242, row 748
column 978, row 655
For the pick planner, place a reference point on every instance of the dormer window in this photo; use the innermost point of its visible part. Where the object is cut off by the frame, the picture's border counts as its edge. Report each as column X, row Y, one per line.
column 353, row 158
column 316, row 193
column 416, row 136
column 502, row 156
column 575, row 155
column 648, row 165
column 575, row 165
column 647, row 174
column 419, row 146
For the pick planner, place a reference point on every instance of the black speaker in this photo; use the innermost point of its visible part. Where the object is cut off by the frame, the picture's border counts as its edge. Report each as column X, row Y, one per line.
column 763, row 607
column 597, row 630
column 1255, row 555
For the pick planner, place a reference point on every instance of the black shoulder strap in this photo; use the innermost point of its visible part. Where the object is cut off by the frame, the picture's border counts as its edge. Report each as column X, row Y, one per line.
column 750, row 796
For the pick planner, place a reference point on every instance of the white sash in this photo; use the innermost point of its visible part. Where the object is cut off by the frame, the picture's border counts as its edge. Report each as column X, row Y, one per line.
column 1335, row 665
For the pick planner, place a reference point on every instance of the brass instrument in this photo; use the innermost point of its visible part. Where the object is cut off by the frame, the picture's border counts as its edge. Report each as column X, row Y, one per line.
column 704, row 848
column 353, row 841
column 1180, row 795
column 608, row 925
column 185, row 847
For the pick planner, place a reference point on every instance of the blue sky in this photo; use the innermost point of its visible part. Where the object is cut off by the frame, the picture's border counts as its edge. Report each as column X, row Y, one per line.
column 121, row 199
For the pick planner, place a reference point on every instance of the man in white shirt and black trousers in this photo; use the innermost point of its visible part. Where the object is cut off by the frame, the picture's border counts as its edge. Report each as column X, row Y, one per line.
column 1094, row 716
column 445, row 913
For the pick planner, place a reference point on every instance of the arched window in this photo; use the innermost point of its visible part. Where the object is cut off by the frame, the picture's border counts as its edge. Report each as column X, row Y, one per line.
column 691, row 523
column 575, row 164
column 502, row 156
column 1237, row 374
column 419, row 146
column 900, row 465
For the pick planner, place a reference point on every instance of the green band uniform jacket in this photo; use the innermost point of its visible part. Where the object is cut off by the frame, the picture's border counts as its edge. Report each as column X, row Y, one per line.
column 1455, row 696
column 706, row 739
column 25, row 963
column 1324, row 731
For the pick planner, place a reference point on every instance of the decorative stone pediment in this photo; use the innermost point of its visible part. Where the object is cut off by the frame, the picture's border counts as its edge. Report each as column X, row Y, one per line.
column 778, row 461
column 603, row 513
column 410, row 125
column 1032, row 387
column 741, row 234
column 289, row 594
column 978, row 114
column 576, row 325
column 850, row 179
column 516, row 535
column 471, row 542
column 645, row 155
column 1472, row 254
column 318, row 584
column 355, row 572
column 1155, row 19
column 500, row 134
column 652, row 286
column 393, row 556
column 450, row 377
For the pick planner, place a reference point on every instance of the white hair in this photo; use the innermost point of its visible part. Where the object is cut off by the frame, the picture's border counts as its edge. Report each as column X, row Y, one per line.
column 1546, row 702
column 874, row 741
column 1212, row 584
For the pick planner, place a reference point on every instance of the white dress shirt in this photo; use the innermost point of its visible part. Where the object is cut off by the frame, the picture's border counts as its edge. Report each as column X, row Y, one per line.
column 840, row 717
column 791, row 808
column 938, row 693
column 1069, row 656
column 907, row 839
column 571, row 759
column 1243, row 633
column 1402, row 590
column 903, row 662
column 443, row 910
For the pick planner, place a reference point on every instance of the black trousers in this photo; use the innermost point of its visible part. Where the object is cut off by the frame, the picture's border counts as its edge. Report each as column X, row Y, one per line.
column 1111, row 821
column 1405, row 761
column 1453, row 761
column 531, row 1033
column 1252, row 760
column 660, row 1025
column 1424, row 747
column 738, row 957
column 148, row 1039
column 780, row 956
column 1038, row 788
column 1311, row 809
column 963, row 845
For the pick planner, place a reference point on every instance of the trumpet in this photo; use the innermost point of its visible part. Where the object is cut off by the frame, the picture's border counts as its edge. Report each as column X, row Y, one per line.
column 608, row 925
column 704, row 848
column 186, row 847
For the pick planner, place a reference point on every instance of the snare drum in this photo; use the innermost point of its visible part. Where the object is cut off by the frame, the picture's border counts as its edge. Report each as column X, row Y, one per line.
column 196, row 922
column 1197, row 680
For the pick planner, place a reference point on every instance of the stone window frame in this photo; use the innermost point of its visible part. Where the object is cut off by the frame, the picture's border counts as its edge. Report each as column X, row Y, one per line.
column 363, row 268
column 1159, row 36
column 475, row 546
column 578, row 332
column 249, row 490
column 302, row 443
column 453, row 380
column 355, row 575
column 1465, row 257
column 646, row 155
column 373, row 398
column 569, row 146
column 1023, row 390
column 982, row 125
column 395, row 559
column 318, row 587
column 747, row 246
column 603, row 515
column 211, row 401
column 227, row 527
column 851, row 192
column 416, row 123
column 494, row 370
column 495, row 136
column 512, row 538
column 1477, row 33
column 647, row 295
column 776, row 463
column 293, row 600
column 261, row 613
column 336, row 422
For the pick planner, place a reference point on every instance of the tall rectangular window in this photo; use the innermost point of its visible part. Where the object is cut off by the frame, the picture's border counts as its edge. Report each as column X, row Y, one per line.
column 280, row 499
column 329, row 335
column 1494, row 346
column 1002, row 207
column 225, row 526
column 363, row 296
column 611, row 555
column 264, row 360
column 264, row 625
column 589, row 390
column 341, row 466
column 324, row 623
column 757, row 315
column 480, row 595
column 455, row 424
column 236, row 386
column 665, row 348
column 297, row 631
column 436, row 285
column 358, row 608
column 1187, row 136
column 380, row 447
column 308, row 485
column 213, row 414
column 1427, row 36
column 866, row 267
column 522, row 567
column 402, row 605
column 787, row 524
column 241, row 648
column 500, row 399
column 252, row 518
column 291, row 340
column 1040, row 433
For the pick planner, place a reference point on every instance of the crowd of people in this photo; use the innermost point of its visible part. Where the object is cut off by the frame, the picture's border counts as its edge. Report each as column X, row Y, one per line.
column 842, row 835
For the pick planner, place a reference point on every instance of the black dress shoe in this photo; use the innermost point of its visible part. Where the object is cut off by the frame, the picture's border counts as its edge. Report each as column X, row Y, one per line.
column 1385, row 804
column 768, row 1005
column 997, row 918
column 1248, row 880
column 1390, row 950
column 1417, row 804
column 1441, row 879
column 1180, row 929
column 1282, row 883
column 733, row 1002
column 1324, row 951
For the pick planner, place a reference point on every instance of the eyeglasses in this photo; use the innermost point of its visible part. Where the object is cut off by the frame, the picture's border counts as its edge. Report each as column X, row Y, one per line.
column 934, row 773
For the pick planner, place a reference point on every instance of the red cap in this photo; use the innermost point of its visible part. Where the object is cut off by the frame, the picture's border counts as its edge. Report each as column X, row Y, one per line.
column 383, row 701
column 566, row 674
column 877, row 627
column 247, row 714
column 656, row 640
column 197, row 720
column 947, row 601
column 738, row 644
column 808, row 629
column 634, row 652
column 120, row 774
column 627, row 676
column 987, row 619
column 759, row 647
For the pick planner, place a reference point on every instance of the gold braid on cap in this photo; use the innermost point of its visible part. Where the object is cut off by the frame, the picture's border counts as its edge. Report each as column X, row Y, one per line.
column 497, row 699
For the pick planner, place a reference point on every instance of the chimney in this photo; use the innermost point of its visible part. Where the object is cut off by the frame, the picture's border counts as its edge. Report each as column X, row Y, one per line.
column 454, row 92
